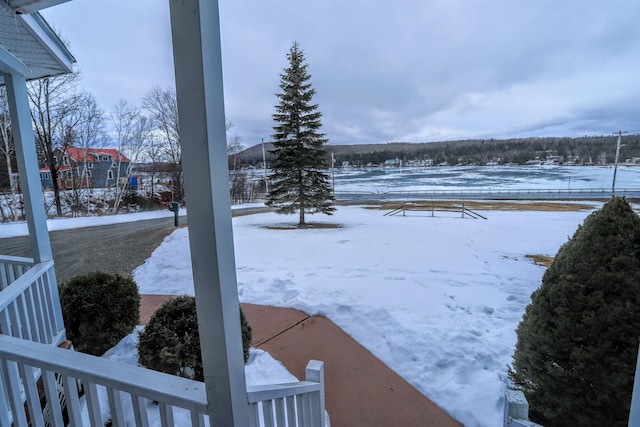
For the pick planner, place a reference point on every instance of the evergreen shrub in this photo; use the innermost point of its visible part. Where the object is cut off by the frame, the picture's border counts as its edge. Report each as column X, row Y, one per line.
column 170, row 343
column 577, row 345
column 99, row 309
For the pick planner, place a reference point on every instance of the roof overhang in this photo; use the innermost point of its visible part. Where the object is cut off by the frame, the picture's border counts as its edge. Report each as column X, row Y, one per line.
column 28, row 45
column 30, row 6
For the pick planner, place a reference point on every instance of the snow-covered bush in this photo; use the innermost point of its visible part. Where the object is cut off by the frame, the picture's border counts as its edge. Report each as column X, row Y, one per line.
column 170, row 343
column 99, row 309
column 578, row 340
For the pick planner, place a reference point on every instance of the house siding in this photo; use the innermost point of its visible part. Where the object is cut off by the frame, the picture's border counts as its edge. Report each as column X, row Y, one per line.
column 104, row 167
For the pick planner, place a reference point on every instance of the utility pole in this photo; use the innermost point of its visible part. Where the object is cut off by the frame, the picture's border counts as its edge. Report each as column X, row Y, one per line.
column 333, row 176
column 264, row 163
column 615, row 165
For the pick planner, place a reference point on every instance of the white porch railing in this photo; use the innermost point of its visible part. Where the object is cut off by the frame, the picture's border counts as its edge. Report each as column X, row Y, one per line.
column 134, row 395
column 29, row 301
column 85, row 390
column 12, row 267
column 290, row 405
column 130, row 390
column 516, row 410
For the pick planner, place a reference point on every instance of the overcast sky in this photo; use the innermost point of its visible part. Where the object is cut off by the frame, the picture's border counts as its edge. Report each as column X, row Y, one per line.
column 388, row 70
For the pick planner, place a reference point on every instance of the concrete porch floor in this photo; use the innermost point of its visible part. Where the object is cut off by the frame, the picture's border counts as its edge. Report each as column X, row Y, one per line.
column 360, row 390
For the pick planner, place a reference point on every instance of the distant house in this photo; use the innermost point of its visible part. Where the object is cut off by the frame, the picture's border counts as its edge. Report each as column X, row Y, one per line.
column 87, row 168
column 393, row 163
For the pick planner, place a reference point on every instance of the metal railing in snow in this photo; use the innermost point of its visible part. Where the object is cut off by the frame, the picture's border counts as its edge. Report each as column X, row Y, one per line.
column 501, row 193
column 432, row 209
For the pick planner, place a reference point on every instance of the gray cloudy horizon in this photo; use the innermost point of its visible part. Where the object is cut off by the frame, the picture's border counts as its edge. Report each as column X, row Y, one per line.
column 388, row 71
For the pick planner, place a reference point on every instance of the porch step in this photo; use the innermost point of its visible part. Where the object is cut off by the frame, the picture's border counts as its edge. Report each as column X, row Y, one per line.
column 360, row 390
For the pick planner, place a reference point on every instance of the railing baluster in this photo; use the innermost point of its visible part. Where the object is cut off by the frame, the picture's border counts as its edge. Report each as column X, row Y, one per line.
column 70, row 387
column 166, row 415
column 4, row 281
column 140, row 410
column 12, row 276
column 93, row 404
column 31, row 395
column 50, row 283
column 12, row 383
column 300, row 410
column 197, row 419
column 53, row 398
column 47, row 309
column 39, row 311
column 279, row 407
column 115, row 406
column 5, row 323
column 37, row 333
column 254, row 415
column 15, row 329
column 5, row 420
column 291, row 410
column 267, row 413
column 21, row 305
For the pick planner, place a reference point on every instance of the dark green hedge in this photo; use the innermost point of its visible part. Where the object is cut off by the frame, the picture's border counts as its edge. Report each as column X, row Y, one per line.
column 170, row 343
column 99, row 309
column 578, row 340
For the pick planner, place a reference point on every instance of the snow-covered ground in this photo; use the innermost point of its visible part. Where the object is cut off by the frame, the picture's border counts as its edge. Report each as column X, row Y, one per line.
column 436, row 299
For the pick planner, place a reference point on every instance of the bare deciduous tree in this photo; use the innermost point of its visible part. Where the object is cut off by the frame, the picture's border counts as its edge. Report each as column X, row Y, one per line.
column 90, row 132
column 55, row 111
column 163, row 110
column 237, row 178
column 155, row 154
column 132, row 134
column 7, row 149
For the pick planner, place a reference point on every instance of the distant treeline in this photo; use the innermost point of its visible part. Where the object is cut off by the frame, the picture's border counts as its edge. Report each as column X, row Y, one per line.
column 579, row 151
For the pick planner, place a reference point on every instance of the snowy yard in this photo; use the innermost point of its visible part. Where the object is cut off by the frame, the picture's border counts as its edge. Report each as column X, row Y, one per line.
column 436, row 299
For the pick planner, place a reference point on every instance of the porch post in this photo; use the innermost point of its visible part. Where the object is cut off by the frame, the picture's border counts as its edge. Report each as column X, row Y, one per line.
column 28, row 166
column 198, row 68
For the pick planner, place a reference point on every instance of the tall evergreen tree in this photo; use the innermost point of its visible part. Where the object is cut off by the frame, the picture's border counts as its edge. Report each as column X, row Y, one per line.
column 298, row 181
column 578, row 340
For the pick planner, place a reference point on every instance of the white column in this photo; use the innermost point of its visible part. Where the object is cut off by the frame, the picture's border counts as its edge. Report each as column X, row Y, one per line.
column 28, row 166
column 634, row 413
column 198, row 68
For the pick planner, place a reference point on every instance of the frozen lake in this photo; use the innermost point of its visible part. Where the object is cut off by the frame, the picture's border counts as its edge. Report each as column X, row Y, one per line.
column 480, row 178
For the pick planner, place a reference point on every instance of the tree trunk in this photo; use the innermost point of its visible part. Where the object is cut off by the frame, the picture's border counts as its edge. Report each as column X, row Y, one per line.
column 301, row 199
column 56, row 188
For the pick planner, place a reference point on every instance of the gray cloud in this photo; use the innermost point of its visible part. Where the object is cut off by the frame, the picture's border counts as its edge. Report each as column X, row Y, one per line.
column 390, row 70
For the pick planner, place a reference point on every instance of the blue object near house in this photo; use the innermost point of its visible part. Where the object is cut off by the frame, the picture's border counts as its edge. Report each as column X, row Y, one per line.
column 133, row 182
